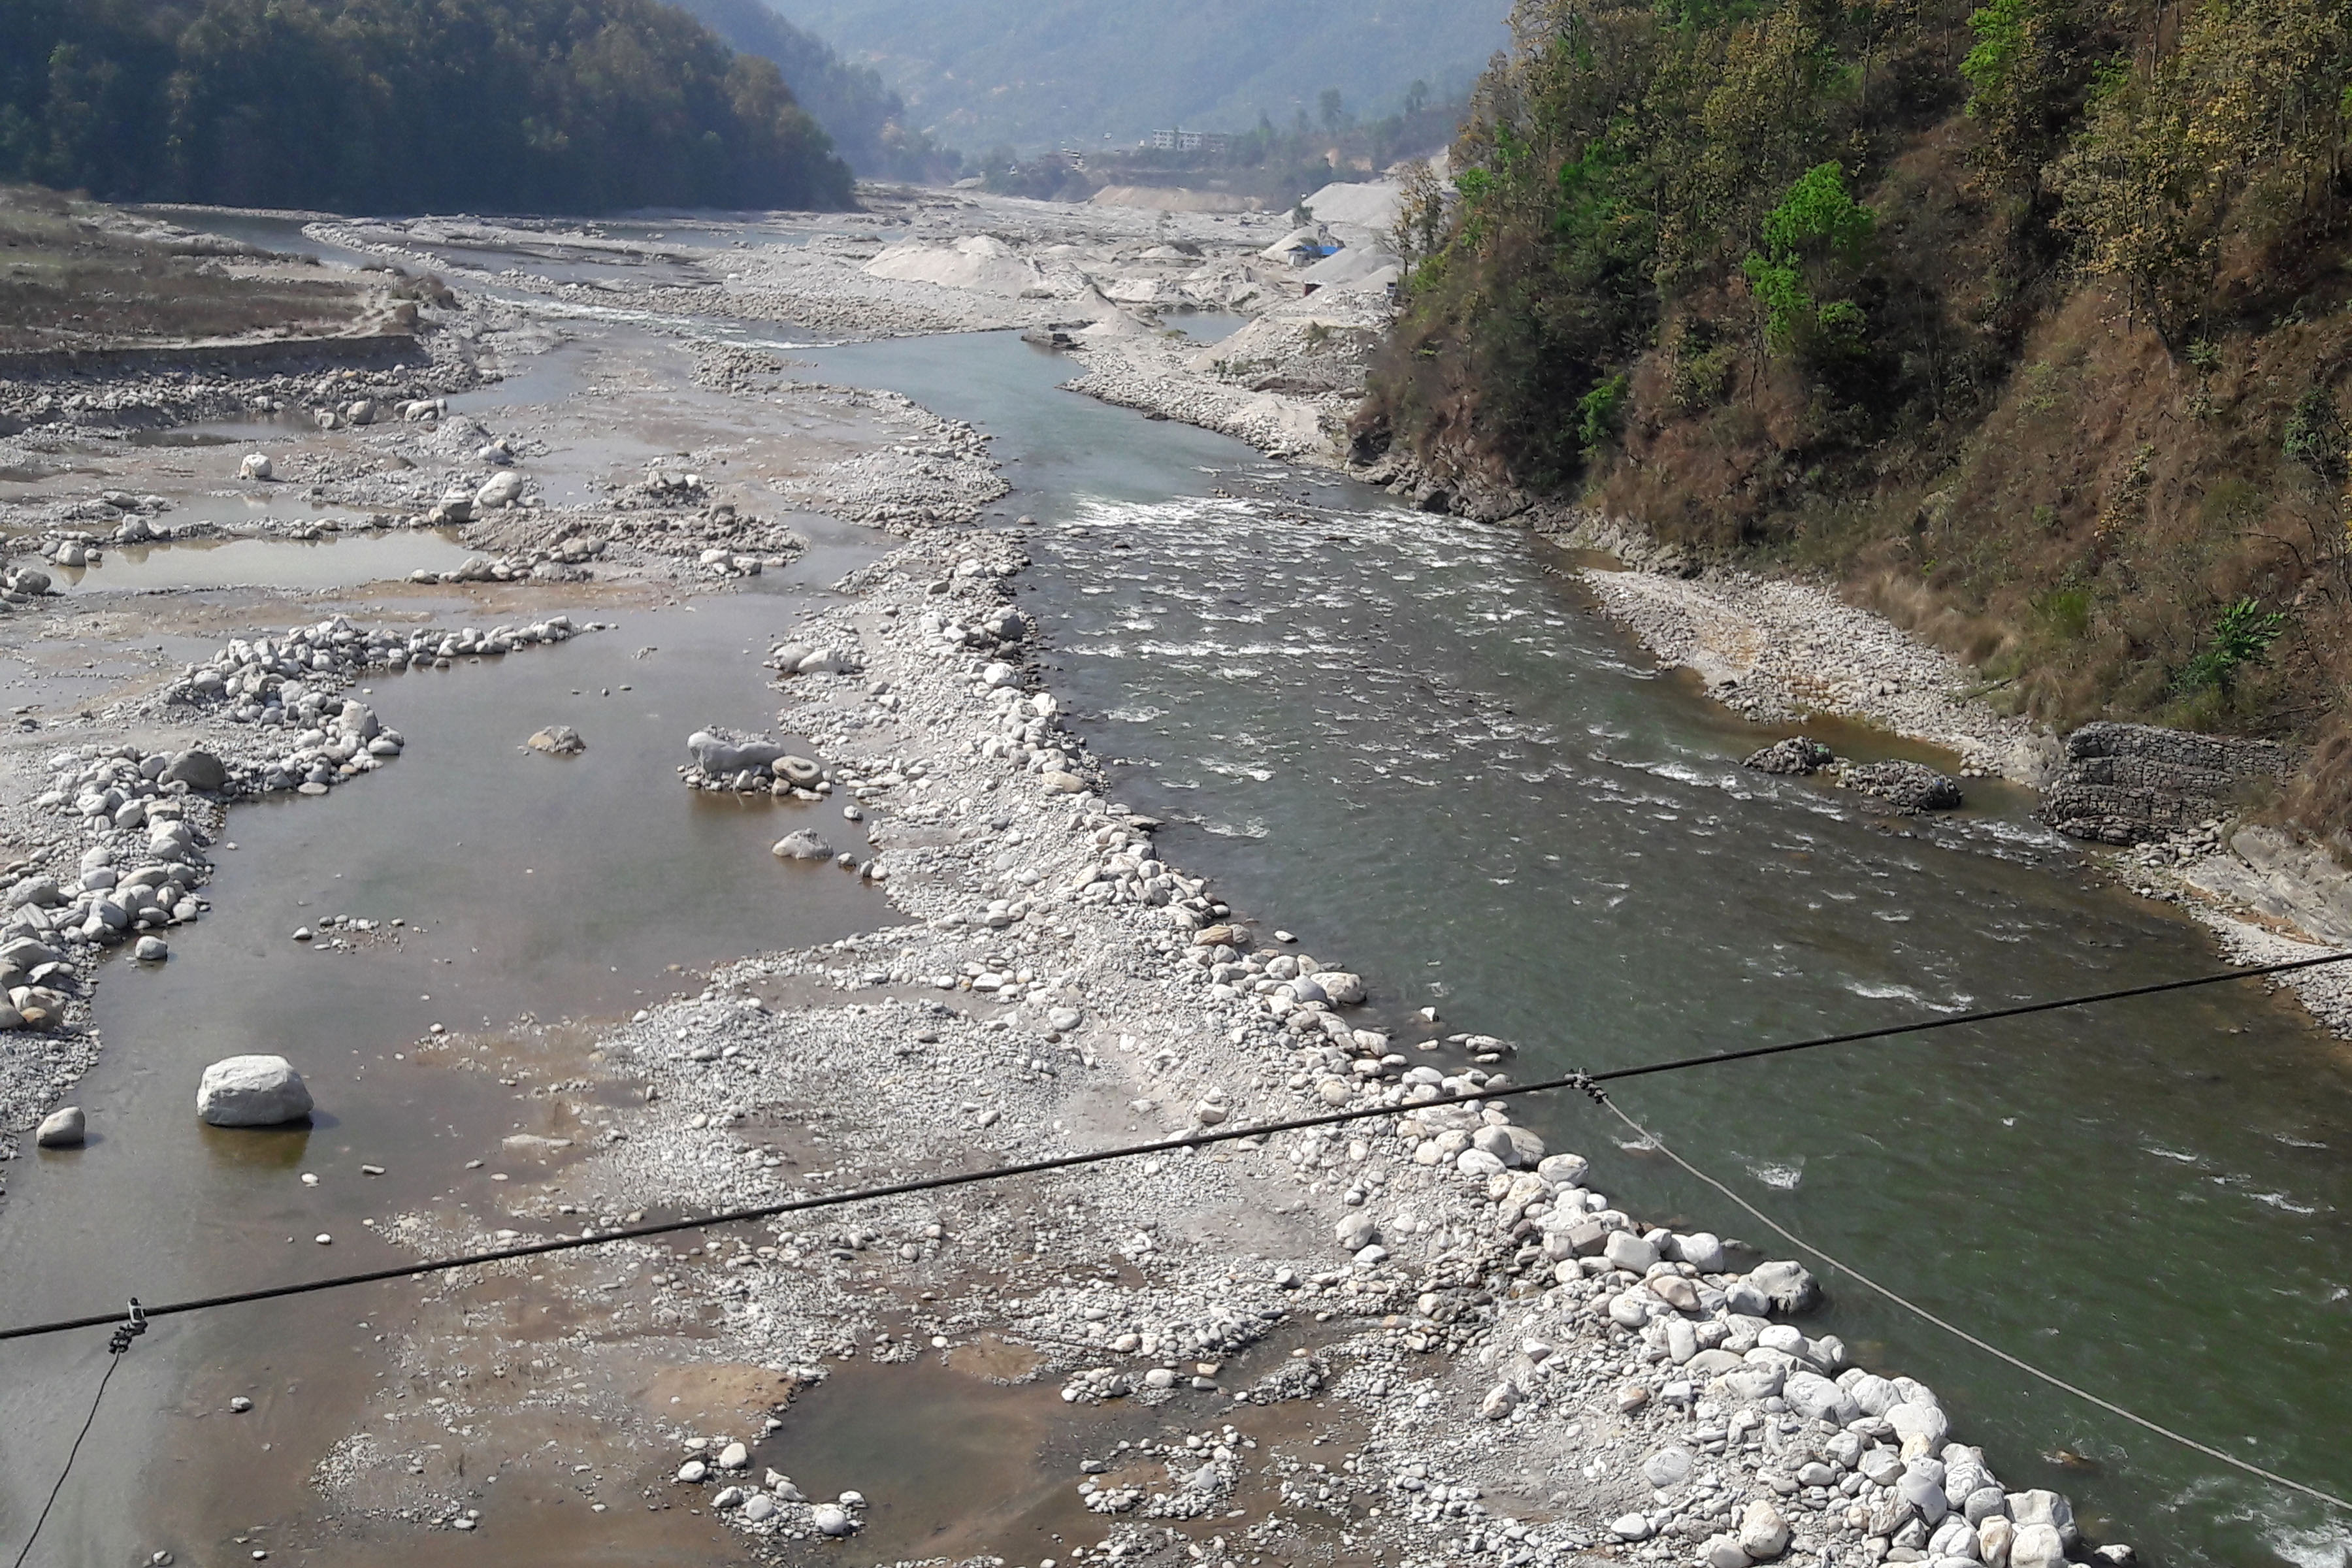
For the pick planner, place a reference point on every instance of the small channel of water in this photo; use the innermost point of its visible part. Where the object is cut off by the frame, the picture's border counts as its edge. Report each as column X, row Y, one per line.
column 1404, row 737
column 339, row 560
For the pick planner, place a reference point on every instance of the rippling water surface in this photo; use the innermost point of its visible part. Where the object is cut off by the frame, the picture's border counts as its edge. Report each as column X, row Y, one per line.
column 1407, row 739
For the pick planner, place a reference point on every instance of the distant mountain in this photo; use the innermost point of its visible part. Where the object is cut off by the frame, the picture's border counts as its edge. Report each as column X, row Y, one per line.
column 1037, row 72
column 401, row 105
column 867, row 121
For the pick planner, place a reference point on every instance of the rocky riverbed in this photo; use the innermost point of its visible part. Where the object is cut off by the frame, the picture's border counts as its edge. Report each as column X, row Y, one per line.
column 1422, row 1336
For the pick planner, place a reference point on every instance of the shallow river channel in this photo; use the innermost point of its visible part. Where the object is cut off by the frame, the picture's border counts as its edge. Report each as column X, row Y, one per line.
column 1405, row 738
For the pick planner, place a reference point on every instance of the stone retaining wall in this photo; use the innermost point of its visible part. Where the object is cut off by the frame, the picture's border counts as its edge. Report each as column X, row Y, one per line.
column 2126, row 783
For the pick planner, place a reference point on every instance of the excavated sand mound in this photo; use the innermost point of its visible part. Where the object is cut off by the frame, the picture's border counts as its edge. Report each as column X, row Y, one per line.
column 984, row 264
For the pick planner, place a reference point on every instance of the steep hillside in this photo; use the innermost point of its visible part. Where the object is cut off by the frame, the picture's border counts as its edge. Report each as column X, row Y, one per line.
column 980, row 72
column 867, row 121
column 380, row 105
column 2030, row 321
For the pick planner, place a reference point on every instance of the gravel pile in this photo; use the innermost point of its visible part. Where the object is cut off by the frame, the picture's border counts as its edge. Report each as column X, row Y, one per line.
column 1777, row 648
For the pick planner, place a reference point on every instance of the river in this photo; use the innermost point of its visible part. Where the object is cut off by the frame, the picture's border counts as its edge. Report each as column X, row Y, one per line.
column 1410, row 739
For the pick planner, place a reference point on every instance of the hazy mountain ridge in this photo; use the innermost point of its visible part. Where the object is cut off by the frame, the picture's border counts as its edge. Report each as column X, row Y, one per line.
column 867, row 121
column 978, row 72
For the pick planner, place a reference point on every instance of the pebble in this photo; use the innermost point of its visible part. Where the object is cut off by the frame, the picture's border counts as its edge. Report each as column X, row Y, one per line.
column 801, row 845
column 1668, row 1467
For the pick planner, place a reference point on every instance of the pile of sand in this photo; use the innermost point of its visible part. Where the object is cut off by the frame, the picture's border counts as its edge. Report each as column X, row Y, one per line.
column 981, row 264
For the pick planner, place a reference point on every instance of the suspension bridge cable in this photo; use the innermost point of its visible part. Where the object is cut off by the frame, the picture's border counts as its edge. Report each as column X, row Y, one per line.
column 1581, row 1082
column 1654, row 1140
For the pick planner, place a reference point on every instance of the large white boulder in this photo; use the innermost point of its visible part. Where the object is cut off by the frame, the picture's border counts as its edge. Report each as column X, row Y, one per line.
column 717, row 756
column 252, row 1092
column 500, row 489
column 2037, row 1546
column 1815, row 1398
column 1921, row 1425
column 801, row 845
column 65, row 1129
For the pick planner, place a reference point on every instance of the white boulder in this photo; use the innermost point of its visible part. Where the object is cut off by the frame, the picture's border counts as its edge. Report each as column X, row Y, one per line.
column 252, row 1092
column 1763, row 1534
column 801, row 845
column 500, row 489
column 2037, row 1546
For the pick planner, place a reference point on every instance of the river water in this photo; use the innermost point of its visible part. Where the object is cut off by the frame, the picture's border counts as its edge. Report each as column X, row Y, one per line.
column 1408, row 739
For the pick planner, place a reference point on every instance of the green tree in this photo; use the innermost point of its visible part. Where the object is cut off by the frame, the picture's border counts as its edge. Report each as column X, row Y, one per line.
column 2242, row 635
column 1818, row 232
column 2026, row 81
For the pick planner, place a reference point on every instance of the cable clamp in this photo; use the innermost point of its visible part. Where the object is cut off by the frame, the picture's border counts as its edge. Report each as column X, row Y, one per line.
column 130, row 1328
column 1585, row 1084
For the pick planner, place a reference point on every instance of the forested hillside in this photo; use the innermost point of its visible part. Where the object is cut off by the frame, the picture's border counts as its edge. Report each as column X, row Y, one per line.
column 1032, row 74
column 2028, row 319
column 401, row 105
column 868, row 121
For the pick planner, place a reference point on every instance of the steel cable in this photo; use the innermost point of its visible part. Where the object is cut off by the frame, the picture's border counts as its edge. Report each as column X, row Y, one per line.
column 1581, row 1082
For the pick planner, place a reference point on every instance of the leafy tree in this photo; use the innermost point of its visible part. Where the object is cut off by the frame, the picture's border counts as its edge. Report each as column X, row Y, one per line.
column 1602, row 410
column 1817, row 229
column 2026, row 80
column 2237, row 131
column 1333, row 108
column 2314, row 435
column 2242, row 635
